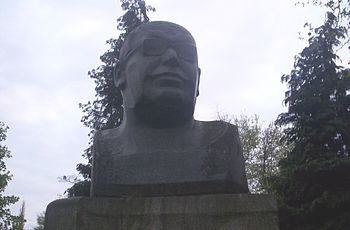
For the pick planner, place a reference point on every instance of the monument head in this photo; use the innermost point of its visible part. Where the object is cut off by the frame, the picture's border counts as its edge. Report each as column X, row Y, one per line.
column 158, row 74
column 160, row 149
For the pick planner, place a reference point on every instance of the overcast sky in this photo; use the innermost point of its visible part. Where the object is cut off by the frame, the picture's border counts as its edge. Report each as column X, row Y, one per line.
column 48, row 46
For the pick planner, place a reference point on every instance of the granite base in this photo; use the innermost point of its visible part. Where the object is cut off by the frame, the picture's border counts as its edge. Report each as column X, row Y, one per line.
column 199, row 212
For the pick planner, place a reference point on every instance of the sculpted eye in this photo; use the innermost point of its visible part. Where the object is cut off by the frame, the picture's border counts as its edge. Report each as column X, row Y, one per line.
column 154, row 47
column 187, row 52
column 157, row 47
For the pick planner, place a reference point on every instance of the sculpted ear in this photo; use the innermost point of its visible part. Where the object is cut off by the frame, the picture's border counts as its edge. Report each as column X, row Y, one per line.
column 119, row 77
column 199, row 77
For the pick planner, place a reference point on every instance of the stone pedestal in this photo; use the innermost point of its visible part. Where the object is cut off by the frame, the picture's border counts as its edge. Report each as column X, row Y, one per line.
column 200, row 212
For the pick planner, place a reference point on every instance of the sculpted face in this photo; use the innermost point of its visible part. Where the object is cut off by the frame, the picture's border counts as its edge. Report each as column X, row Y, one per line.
column 159, row 71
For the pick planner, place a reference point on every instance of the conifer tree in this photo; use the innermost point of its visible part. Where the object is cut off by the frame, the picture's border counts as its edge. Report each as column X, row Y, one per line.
column 313, row 187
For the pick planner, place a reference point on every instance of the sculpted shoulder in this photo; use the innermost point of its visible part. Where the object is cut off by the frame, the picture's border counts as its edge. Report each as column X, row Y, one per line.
column 214, row 131
column 108, row 134
column 210, row 131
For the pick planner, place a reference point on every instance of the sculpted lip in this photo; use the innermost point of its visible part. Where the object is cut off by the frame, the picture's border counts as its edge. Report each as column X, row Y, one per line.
column 168, row 79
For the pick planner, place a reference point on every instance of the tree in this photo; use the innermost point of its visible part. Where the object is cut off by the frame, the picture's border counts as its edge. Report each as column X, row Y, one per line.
column 106, row 110
column 6, row 218
column 40, row 220
column 262, row 150
column 313, row 186
column 18, row 224
column 341, row 10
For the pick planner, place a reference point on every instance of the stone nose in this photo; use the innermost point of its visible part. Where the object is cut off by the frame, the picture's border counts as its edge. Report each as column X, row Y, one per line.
column 170, row 57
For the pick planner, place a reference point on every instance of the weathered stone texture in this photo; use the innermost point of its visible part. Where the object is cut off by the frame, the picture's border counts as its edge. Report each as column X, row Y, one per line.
column 206, row 158
column 201, row 212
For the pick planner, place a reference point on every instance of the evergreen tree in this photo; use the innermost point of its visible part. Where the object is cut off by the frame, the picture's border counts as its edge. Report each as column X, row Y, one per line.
column 106, row 110
column 7, row 220
column 40, row 220
column 313, row 186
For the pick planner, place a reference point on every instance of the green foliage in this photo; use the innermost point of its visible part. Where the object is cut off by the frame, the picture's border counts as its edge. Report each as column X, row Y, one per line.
column 340, row 9
column 313, row 186
column 6, row 218
column 79, row 187
column 262, row 150
column 106, row 110
column 40, row 220
column 18, row 223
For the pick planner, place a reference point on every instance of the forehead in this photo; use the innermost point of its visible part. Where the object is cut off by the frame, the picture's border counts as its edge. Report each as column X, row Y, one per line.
column 167, row 30
column 161, row 30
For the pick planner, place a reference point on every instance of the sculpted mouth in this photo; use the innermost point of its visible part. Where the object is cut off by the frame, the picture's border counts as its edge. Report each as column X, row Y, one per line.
column 169, row 80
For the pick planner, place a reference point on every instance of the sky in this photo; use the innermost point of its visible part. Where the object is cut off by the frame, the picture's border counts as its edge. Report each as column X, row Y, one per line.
column 48, row 46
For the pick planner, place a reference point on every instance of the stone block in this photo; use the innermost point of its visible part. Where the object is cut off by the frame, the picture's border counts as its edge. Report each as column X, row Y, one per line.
column 200, row 212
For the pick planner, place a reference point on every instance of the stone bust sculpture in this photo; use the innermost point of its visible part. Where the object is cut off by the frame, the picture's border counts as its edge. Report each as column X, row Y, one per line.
column 159, row 149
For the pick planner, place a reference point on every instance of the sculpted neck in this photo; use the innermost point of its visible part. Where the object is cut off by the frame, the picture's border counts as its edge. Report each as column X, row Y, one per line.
column 137, row 136
column 155, row 120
